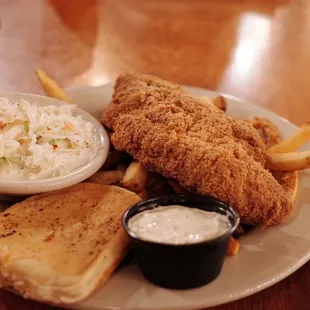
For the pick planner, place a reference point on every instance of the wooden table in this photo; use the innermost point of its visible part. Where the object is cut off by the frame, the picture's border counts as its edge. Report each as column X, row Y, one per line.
column 256, row 50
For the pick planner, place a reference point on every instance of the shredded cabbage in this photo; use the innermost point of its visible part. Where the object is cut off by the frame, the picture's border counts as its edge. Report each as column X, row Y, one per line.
column 42, row 142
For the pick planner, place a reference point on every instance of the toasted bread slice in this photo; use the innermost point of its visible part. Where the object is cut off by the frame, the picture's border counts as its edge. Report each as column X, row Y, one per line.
column 271, row 136
column 60, row 246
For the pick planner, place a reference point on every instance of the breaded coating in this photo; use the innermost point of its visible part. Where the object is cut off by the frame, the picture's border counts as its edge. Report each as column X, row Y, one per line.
column 207, row 152
column 268, row 131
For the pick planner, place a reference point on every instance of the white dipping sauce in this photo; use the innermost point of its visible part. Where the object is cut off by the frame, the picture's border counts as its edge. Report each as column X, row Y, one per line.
column 178, row 225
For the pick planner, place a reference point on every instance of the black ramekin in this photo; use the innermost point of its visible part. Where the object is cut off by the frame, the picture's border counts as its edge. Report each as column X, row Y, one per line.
column 181, row 266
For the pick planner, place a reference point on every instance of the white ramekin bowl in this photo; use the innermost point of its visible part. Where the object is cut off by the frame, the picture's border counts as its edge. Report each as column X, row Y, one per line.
column 29, row 187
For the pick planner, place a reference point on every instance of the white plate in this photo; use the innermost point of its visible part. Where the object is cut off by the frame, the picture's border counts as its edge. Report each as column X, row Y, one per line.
column 266, row 255
column 29, row 187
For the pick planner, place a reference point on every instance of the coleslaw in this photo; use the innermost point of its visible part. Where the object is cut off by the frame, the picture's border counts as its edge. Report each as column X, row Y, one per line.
column 39, row 142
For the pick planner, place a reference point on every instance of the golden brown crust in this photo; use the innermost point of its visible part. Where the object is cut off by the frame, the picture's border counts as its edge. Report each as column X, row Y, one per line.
column 288, row 180
column 171, row 132
column 60, row 246
column 267, row 130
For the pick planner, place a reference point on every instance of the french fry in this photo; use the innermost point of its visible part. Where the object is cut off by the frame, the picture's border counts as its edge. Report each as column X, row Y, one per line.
column 293, row 143
column 176, row 187
column 111, row 161
column 135, row 177
column 107, row 177
column 51, row 88
column 233, row 246
column 288, row 161
column 144, row 194
column 220, row 102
